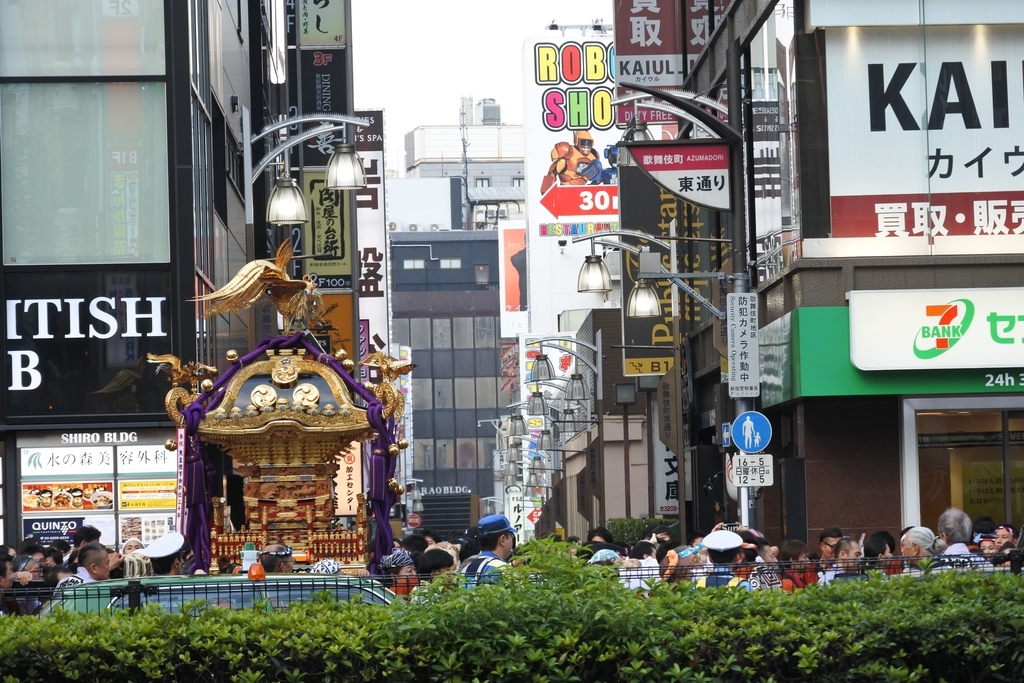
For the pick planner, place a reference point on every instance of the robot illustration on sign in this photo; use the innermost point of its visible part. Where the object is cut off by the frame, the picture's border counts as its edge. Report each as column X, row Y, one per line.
column 576, row 164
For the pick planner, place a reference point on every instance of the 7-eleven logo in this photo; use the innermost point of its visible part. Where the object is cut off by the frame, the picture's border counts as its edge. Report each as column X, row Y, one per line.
column 948, row 325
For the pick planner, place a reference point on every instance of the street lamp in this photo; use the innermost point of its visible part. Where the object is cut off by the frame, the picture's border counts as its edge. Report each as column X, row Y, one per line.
column 517, row 424
column 594, row 276
column 286, row 203
column 536, row 404
column 543, row 370
column 413, row 492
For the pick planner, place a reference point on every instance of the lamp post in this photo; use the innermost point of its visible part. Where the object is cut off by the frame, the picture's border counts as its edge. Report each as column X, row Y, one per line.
column 693, row 108
column 625, row 396
column 596, row 366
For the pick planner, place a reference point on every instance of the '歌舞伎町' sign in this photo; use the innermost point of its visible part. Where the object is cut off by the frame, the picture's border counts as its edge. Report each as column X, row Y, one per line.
column 695, row 171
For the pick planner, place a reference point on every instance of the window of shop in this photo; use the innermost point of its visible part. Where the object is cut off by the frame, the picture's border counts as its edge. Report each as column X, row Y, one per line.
column 966, row 453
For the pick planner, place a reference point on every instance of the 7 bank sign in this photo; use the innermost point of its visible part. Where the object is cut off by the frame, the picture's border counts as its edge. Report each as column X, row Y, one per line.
column 926, row 143
column 571, row 153
column 936, row 329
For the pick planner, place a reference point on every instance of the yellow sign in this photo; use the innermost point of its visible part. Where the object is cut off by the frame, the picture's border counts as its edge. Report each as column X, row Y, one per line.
column 328, row 233
column 648, row 366
column 152, row 494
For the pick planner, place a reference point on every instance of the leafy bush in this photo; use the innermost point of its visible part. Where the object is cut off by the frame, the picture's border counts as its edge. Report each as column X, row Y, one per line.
column 554, row 620
column 627, row 530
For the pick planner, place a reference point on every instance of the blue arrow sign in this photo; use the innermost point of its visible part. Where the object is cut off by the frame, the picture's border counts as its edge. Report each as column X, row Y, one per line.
column 751, row 432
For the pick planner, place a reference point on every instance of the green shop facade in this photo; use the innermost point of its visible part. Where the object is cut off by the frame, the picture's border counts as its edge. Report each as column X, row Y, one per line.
column 896, row 389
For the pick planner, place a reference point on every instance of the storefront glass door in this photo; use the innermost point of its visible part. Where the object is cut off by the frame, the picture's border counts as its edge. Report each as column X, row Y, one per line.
column 968, row 458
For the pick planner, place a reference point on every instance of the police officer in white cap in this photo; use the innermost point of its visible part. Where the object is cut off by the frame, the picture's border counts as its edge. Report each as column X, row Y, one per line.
column 165, row 554
column 724, row 549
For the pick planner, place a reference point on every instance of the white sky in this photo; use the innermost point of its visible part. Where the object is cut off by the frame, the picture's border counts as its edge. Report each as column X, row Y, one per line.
column 417, row 58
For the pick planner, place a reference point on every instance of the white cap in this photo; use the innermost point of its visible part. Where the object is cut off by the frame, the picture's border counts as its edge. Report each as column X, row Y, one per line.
column 165, row 546
column 723, row 541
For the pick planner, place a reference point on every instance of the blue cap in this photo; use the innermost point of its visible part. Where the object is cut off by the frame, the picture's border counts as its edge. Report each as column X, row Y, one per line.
column 492, row 525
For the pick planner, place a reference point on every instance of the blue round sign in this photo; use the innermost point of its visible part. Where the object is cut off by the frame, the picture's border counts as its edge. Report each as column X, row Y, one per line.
column 751, row 432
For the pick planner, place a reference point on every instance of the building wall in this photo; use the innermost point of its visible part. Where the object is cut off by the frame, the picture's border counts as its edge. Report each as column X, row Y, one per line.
column 450, row 320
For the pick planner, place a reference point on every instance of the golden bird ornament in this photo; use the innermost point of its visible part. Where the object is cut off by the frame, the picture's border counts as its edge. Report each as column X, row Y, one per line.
column 298, row 301
column 386, row 392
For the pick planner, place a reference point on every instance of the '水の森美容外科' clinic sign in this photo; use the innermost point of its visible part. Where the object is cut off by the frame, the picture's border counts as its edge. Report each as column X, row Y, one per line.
column 937, row 329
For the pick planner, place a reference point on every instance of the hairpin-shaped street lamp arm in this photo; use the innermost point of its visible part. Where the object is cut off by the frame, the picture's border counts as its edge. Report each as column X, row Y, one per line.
column 679, row 280
column 624, row 233
column 331, row 122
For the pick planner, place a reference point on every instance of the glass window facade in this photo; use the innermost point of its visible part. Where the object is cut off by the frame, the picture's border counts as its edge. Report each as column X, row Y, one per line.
column 84, row 173
column 81, row 38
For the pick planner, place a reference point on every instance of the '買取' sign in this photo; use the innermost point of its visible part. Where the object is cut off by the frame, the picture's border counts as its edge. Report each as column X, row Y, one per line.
column 937, row 328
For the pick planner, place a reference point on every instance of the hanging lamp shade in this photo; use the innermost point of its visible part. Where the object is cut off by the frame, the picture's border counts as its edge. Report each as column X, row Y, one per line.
column 286, row 204
column 536, row 404
column 543, row 370
column 517, row 425
column 345, row 169
column 546, row 441
column 577, row 388
column 594, row 276
column 643, row 301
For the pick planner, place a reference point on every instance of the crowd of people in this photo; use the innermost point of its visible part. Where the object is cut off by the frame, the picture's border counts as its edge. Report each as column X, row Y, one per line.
column 727, row 556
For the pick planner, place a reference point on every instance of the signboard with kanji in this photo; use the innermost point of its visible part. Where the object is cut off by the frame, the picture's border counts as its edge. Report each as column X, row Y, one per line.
column 744, row 351
column 756, row 469
column 348, row 482
column 695, row 171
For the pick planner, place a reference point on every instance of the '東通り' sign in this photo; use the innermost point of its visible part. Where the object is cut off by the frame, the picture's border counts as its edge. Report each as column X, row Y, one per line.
column 696, row 172
column 937, row 328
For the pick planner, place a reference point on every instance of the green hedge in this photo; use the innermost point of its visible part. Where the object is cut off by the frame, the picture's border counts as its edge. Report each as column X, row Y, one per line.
column 627, row 530
column 572, row 623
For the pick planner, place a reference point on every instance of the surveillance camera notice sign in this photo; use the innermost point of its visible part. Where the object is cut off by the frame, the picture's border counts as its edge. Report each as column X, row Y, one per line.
column 696, row 172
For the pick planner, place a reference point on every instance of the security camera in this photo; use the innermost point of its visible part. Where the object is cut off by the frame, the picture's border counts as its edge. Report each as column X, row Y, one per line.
column 562, row 243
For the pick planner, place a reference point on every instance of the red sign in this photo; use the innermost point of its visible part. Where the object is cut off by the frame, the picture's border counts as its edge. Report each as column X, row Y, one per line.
column 648, row 51
column 533, row 515
column 581, row 200
column 414, row 520
column 937, row 215
column 698, row 173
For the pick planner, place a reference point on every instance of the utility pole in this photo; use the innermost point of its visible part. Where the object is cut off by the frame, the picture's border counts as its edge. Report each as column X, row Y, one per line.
column 463, row 122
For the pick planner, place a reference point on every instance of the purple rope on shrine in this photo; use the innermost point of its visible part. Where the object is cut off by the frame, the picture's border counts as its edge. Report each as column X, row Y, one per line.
column 200, row 477
column 381, row 466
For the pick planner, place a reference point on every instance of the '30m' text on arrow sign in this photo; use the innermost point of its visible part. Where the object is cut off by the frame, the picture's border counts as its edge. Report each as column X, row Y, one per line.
column 581, row 200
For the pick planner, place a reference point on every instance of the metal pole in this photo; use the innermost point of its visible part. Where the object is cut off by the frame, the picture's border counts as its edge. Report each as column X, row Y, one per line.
column 625, row 456
column 677, row 367
column 739, row 237
column 652, row 507
column 597, row 497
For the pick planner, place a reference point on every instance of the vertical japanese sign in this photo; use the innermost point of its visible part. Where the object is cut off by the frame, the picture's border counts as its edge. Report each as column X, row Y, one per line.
column 648, row 51
column 327, row 233
column 514, row 507
column 666, row 470
column 927, row 140
column 700, row 24
column 570, row 167
column 744, row 348
column 324, row 86
column 372, row 238
column 180, row 509
column 348, row 483
column 322, row 23
column 512, row 279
